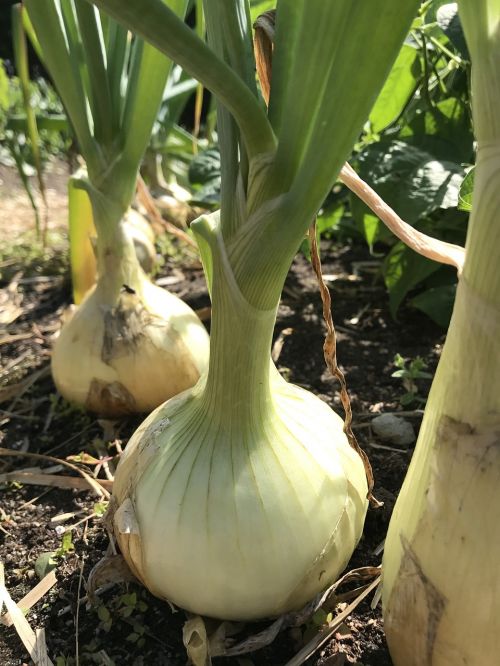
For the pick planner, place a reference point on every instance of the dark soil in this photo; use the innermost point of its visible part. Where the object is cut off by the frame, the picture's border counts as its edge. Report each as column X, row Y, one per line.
column 127, row 626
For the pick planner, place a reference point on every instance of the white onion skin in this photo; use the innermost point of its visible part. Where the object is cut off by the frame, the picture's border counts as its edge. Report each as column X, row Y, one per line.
column 241, row 498
column 139, row 230
column 130, row 345
column 240, row 527
column 167, row 358
column 441, row 574
column 440, row 565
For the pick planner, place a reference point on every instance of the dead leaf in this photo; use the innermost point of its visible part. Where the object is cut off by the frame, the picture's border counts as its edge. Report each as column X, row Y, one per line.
column 194, row 637
column 33, row 596
column 10, row 301
column 34, row 643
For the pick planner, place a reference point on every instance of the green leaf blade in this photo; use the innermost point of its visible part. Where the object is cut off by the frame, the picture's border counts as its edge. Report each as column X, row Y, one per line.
column 397, row 89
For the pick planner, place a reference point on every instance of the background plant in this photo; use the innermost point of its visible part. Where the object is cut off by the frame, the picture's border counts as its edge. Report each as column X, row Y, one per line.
column 414, row 151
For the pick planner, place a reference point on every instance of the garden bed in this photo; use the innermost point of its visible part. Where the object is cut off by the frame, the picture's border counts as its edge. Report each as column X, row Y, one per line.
column 127, row 626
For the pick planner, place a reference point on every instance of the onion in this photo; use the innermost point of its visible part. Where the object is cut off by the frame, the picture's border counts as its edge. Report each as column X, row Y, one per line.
column 241, row 498
column 142, row 235
column 130, row 345
column 441, row 580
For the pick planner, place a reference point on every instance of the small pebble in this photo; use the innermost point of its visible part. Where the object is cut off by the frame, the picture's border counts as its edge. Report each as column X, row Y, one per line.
column 392, row 429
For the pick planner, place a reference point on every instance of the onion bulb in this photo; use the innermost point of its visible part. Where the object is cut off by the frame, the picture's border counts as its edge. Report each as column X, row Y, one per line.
column 142, row 235
column 241, row 498
column 130, row 345
column 441, row 579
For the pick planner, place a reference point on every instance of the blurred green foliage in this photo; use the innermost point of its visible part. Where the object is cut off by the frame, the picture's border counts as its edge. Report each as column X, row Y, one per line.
column 416, row 152
column 54, row 130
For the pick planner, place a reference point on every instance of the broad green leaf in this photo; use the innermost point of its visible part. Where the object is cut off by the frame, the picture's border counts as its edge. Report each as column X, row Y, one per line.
column 465, row 193
column 329, row 219
column 437, row 303
column 371, row 226
column 444, row 131
column 410, row 180
column 368, row 223
column 403, row 269
column 397, row 89
column 205, row 167
column 103, row 614
column 209, row 195
column 44, row 564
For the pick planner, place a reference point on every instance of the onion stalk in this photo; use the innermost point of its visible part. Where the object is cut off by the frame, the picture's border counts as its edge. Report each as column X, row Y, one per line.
column 241, row 498
column 83, row 235
column 444, row 535
column 130, row 345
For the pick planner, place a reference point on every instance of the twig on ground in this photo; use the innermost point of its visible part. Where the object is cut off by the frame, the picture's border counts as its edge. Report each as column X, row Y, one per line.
column 35, row 645
column 77, row 616
column 14, row 361
column 98, row 486
column 57, row 481
column 321, row 638
column 8, row 339
column 35, row 499
column 105, row 462
column 85, row 520
column 413, row 413
column 385, row 447
column 15, row 391
column 70, row 439
column 33, row 596
column 83, row 600
column 63, row 517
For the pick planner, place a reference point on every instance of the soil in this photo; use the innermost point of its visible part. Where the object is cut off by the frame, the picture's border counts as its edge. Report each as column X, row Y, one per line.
column 126, row 625
column 16, row 212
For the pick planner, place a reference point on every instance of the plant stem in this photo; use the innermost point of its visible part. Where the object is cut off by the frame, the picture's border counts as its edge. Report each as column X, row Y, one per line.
column 153, row 20
column 117, row 264
column 239, row 379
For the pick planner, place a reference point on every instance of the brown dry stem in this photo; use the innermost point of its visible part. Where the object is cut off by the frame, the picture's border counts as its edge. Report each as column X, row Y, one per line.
column 432, row 248
column 95, row 484
column 149, row 204
column 330, row 354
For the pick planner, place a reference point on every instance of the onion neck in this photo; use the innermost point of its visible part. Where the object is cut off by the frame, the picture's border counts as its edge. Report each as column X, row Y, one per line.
column 117, row 265
column 118, row 268
column 240, row 375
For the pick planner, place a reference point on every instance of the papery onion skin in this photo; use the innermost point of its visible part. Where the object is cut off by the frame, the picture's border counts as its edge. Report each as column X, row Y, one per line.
column 241, row 498
column 130, row 357
column 243, row 527
column 143, row 237
column 441, row 578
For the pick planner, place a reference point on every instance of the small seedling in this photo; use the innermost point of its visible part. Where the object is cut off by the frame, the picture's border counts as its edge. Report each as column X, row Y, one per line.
column 105, row 616
column 48, row 560
column 128, row 606
column 100, row 508
column 409, row 372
